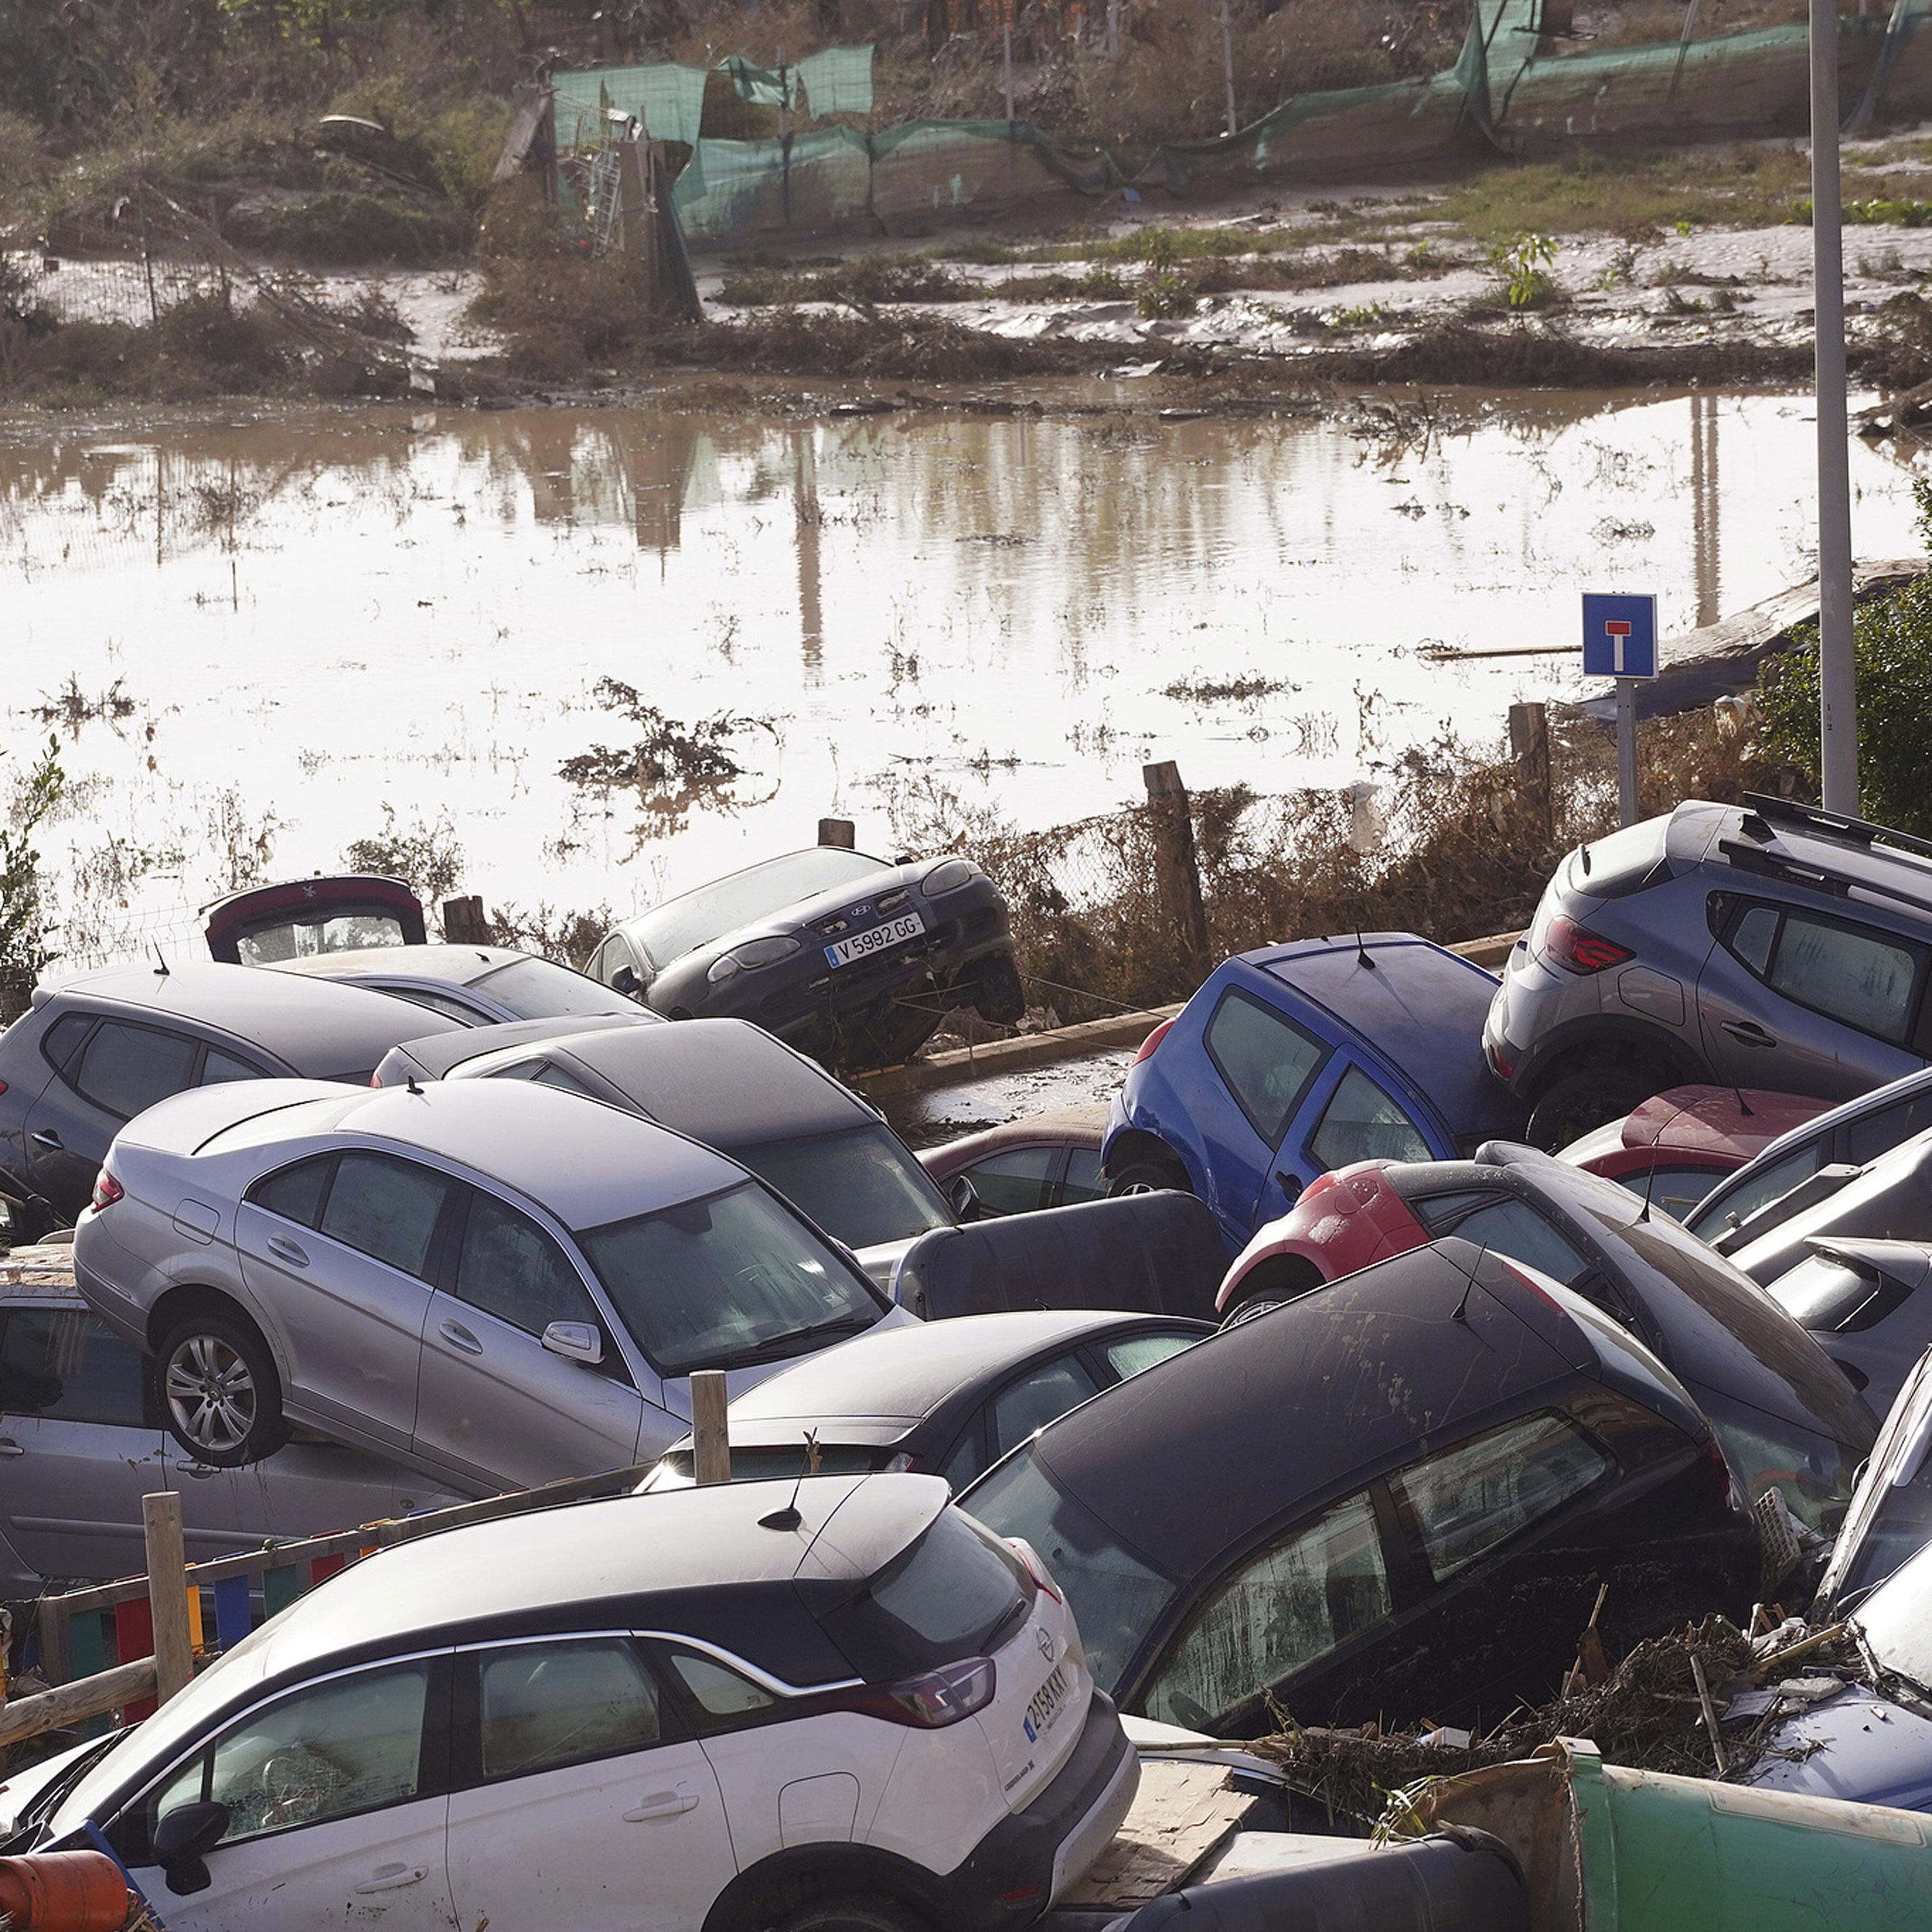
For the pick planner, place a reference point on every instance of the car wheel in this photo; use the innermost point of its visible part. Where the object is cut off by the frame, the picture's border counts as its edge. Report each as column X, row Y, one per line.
column 997, row 994
column 1148, row 1174
column 218, row 1390
column 1589, row 1097
column 853, row 1915
column 1248, row 1308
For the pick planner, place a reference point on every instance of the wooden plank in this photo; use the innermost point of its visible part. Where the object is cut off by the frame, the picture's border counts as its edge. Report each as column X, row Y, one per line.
column 710, row 1434
column 126, row 1685
column 1181, row 1813
column 167, row 1564
column 234, row 1614
column 134, row 1637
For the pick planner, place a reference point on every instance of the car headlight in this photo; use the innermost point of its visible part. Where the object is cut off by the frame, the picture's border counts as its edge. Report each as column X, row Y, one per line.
column 753, row 954
column 946, row 877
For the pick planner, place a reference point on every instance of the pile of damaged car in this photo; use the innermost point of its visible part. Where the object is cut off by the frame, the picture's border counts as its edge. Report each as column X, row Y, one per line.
column 531, row 1449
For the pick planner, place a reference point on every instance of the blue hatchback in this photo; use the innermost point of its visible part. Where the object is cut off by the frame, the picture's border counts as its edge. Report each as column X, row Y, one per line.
column 1293, row 1060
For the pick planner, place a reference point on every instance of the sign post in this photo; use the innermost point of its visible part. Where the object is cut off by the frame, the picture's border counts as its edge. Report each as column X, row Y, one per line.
column 1620, row 641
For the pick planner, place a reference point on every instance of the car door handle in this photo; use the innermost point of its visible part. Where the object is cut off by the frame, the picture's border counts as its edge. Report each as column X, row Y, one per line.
column 663, row 1804
column 458, row 1336
column 8, row 1447
column 1291, row 1188
column 1748, row 1033
column 392, row 1878
column 280, row 1244
column 44, row 1137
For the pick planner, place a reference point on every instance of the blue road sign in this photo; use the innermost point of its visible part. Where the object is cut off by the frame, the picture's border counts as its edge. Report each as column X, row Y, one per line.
column 1619, row 635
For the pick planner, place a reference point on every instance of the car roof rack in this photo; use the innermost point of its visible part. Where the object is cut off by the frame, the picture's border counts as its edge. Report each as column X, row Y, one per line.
column 1775, row 865
column 1815, row 818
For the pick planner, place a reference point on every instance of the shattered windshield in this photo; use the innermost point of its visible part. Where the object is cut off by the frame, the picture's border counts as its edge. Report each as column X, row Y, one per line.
column 1896, row 1620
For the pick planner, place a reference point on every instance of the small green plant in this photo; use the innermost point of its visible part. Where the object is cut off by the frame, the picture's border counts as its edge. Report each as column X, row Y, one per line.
column 1523, row 266
column 1422, row 255
column 1622, row 268
column 1166, row 294
column 24, row 923
column 1681, row 228
column 1364, row 315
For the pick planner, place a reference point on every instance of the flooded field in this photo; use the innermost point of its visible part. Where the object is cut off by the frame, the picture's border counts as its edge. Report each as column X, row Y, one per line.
column 609, row 652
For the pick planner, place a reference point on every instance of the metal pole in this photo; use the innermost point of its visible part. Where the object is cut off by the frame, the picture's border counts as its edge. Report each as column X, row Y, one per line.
column 1627, row 808
column 1837, row 672
column 1228, row 65
column 1009, row 67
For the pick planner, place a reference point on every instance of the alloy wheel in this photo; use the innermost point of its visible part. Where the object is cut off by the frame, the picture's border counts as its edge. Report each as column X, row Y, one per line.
column 211, row 1393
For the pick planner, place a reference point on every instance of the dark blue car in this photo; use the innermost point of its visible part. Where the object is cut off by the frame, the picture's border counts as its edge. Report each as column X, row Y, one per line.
column 1292, row 1059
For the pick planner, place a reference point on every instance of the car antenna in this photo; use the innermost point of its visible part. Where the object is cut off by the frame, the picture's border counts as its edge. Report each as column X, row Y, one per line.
column 161, row 962
column 1468, row 1286
column 1362, row 957
column 1744, row 1112
column 410, row 1085
column 788, row 1518
column 1649, row 1187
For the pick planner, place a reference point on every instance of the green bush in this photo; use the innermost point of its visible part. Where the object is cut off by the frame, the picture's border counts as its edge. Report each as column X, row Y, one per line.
column 1892, row 642
column 25, row 918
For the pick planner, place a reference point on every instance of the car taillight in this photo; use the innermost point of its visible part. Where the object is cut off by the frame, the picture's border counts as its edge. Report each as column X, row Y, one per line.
column 1153, row 1040
column 106, row 1190
column 1035, row 1568
column 931, row 1700
column 1577, row 950
column 375, row 1079
column 1721, row 1479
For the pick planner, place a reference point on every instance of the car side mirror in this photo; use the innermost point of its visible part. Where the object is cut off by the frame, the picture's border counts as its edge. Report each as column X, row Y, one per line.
column 575, row 1342
column 183, row 1839
column 626, row 981
column 965, row 1197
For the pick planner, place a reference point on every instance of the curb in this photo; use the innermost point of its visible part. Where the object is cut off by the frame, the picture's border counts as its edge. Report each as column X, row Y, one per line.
column 961, row 1064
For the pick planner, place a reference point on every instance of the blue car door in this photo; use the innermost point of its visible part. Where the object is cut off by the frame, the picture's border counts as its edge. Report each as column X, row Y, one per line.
column 1349, row 1112
column 1268, row 1064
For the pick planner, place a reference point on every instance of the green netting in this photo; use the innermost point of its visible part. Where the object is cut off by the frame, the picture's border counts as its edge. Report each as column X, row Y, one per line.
column 1510, row 90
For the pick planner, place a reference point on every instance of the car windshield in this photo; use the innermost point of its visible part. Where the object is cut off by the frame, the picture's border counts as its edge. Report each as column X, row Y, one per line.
column 1897, row 1621
column 732, row 1278
column 679, row 925
column 860, row 1185
column 541, row 989
column 308, row 938
column 1115, row 1594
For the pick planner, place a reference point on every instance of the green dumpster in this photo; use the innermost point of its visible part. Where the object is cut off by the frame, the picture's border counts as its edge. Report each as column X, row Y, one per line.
column 1603, row 1848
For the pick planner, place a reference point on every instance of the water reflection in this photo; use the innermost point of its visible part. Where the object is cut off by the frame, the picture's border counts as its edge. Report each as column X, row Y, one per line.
column 323, row 611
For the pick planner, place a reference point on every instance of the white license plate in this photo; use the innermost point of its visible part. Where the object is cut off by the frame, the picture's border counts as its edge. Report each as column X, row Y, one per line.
column 1048, row 1701
column 878, row 939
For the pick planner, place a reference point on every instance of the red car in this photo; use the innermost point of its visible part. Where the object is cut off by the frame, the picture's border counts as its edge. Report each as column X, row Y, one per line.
column 1675, row 1147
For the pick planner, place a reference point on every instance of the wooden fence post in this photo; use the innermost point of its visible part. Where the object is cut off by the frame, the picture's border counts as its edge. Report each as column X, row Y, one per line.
column 710, row 1434
column 167, row 1593
column 1177, row 869
column 839, row 831
column 1529, row 750
column 464, row 922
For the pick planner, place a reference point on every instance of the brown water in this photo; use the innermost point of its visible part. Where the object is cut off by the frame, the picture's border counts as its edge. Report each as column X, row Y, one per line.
column 311, row 617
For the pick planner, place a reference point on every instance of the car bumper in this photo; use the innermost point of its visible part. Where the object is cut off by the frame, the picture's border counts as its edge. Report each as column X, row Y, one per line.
column 1029, row 1860
column 122, row 1312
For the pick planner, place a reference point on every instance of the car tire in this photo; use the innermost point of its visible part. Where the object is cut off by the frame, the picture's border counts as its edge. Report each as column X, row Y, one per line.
column 1591, row 1097
column 215, row 1383
column 1148, row 1174
column 997, row 994
column 853, row 1915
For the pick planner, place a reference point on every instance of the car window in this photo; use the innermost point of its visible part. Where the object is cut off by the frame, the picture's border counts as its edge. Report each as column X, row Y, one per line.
column 124, row 1069
column 67, row 1366
column 304, row 938
column 860, row 1185
column 1361, row 1123
column 541, row 989
column 1865, row 978
column 734, row 1278
column 718, row 1691
column 1082, row 1181
column 1131, row 1354
column 1502, row 1222
column 296, row 1192
column 542, row 1705
column 1267, row 1061
column 1013, row 1182
column 1751, row 937
column 1042, row 1395
column 64, row 1035
column 451, row 1008
column 386, row 1208
column 968, row 1460
column 1757, row 1187
column 1277, row 1614
column 351, row 1745
column 510, row 1268
column 219, row 1068
column 1884, row 1127
column 1466, row 1502
column 1674, row 1191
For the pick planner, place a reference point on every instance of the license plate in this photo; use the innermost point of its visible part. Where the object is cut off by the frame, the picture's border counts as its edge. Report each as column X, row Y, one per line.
column 876, row 939
column 1048, row 1701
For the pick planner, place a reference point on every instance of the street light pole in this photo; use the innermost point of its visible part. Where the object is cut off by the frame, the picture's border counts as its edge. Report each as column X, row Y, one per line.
column 1837, row 672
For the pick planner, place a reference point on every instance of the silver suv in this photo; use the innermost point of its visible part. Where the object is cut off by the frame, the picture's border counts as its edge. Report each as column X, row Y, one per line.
column 494, row 1283
column 1769, row 944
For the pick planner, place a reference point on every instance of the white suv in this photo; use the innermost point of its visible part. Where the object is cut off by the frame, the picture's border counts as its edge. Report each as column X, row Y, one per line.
column 832, row 1706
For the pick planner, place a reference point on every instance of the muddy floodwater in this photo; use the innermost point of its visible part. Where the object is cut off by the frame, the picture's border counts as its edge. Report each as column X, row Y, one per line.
column 612, row 652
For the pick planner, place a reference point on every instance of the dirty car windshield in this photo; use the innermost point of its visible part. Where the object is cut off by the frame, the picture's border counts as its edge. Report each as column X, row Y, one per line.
column 1896, row 1620
column 1115, row 1595
column 541, row 989
column 730, row 1279
column 859, row 1186
column 678, row 926
column 308, row 938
